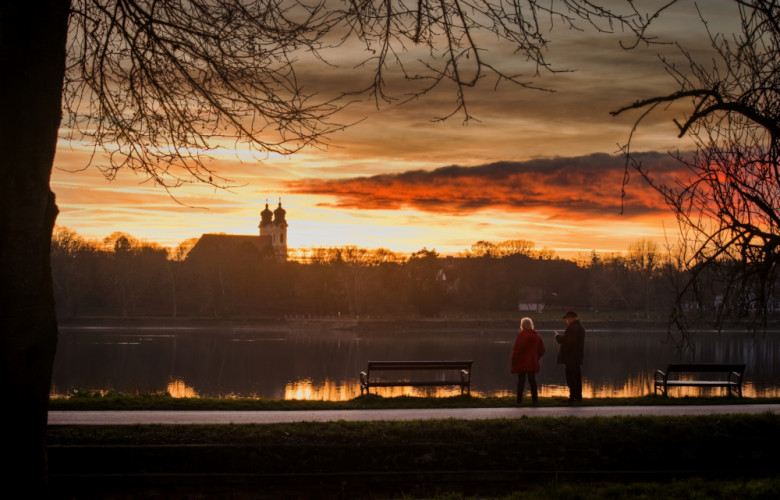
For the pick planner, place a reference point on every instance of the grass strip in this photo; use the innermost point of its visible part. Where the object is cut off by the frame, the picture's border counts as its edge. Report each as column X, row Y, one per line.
column 688, row 489
column 95, row 401
column 711, row 442
column 710, row 456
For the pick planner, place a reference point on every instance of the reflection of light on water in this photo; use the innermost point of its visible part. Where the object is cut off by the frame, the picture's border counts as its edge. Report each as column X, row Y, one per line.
column 333, row 391
column 60, row 394
column 438, row 392
column 178, row 389
column 345, row 390
column 553, row 391
column 641, row 386
column 749, row 390
column 326, row 391
column 631, row 388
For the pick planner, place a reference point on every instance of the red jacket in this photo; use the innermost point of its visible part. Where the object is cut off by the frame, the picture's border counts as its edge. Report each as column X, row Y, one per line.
column 526, row 351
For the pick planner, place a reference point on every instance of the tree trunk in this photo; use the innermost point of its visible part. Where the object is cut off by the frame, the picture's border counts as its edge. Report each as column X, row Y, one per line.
column 32, row 65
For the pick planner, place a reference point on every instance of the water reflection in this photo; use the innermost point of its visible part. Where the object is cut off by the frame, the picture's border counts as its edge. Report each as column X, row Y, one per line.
column 324, row 365
column 327, row 390
column 178, row 389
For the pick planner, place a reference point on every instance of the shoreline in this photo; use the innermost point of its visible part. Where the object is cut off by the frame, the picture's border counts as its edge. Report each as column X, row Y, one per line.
column 368, row 324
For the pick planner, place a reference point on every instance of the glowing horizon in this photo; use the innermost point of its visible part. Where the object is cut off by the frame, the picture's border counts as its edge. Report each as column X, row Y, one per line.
column 549, row 202
column 537, row 166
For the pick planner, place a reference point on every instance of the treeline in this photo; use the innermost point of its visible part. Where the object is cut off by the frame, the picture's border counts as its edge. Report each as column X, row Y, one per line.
column 121, row 276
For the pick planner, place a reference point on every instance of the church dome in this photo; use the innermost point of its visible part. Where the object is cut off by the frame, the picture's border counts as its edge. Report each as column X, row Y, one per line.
column 279, row 213
column 265, row 216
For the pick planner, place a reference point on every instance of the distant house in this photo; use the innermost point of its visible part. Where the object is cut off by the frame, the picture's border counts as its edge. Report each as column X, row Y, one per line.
column 272, row 240
column 530, row 299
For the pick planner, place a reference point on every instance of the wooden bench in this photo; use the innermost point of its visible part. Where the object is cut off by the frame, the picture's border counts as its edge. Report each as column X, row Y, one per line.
column 731, row 376
column 444, row 369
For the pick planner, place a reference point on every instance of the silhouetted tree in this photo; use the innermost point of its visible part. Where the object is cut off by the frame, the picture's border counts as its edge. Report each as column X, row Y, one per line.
column 427, row 287
column 136, row 273
column 68, row 262
column 643, row 259
column 176, row 271
column 726, row 201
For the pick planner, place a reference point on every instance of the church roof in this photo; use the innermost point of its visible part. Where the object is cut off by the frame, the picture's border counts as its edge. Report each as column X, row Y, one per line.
column 226, row 245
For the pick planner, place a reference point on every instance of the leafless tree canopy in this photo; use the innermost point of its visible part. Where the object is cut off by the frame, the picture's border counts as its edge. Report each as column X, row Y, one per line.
column 157, row 84
column 728, row 204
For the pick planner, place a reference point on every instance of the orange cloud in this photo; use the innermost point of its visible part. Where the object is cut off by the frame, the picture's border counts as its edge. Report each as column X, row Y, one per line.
column 576, row 187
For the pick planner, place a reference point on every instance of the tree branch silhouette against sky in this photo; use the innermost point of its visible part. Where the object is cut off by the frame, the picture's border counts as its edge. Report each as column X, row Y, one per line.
column 401, row 145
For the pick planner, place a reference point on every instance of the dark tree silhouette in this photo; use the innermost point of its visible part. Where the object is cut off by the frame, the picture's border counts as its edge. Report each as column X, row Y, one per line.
column 32, row 57
column 155, row 85
column 728, row 201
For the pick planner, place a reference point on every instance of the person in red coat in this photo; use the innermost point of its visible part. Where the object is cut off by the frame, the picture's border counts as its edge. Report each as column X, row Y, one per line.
column 526, row 352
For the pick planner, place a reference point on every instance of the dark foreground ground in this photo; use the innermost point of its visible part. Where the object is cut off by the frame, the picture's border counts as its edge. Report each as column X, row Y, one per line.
column 444, row 458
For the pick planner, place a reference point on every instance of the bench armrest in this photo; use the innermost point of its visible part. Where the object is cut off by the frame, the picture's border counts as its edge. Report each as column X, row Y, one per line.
column 660, row 381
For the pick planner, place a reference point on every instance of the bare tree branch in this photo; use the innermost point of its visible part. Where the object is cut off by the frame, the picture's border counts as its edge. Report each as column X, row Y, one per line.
column 728, row 207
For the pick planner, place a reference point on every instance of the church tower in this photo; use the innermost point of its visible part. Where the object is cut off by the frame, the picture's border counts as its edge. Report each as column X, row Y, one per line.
column 274, row 224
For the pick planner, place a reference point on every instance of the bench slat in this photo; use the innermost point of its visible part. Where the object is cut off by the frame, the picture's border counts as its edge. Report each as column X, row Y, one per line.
column 704, row 367
column 691, row 383
column 734, row 372
column 418, row 365
column 414, row 383
column 463, row 366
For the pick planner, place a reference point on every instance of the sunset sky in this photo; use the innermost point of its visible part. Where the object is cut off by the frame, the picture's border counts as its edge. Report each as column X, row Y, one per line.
column 538, row 166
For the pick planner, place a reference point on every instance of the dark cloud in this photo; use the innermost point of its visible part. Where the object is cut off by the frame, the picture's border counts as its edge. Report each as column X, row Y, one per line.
column 575, row 187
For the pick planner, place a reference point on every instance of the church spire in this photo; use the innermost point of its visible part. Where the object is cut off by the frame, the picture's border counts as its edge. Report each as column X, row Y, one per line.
column 265, row 217
column 279, row 214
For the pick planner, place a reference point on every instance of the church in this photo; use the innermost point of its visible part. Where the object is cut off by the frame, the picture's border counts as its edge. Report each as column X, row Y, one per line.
column 272, row 239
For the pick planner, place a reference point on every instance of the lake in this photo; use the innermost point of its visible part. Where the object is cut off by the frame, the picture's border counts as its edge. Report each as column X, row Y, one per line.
column 324, row 363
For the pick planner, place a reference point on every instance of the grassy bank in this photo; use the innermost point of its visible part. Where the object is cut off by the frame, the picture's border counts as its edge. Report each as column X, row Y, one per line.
column 712, row 457
column 86, row 400
column 599, row 457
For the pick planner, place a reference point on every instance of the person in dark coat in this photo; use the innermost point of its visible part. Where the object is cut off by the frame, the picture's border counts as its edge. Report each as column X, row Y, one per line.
column 526, row 351
column 571, row 353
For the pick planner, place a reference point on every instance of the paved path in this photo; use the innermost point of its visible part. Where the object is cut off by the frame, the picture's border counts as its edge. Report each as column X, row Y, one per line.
column 269, row 417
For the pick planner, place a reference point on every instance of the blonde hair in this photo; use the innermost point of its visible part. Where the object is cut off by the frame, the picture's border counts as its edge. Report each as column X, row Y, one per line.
column 526, row 324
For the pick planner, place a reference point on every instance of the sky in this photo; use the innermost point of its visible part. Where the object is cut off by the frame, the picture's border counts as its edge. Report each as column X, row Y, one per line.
column 541, row 166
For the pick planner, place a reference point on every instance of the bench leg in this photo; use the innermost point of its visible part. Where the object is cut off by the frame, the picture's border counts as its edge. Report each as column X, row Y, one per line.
column 662, row 386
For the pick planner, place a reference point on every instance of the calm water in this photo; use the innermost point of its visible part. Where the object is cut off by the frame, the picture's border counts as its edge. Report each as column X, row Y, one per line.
column 324, row 365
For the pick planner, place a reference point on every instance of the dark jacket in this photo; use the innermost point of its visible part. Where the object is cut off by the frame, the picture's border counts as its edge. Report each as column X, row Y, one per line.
column 572, row 344
column 526, row 351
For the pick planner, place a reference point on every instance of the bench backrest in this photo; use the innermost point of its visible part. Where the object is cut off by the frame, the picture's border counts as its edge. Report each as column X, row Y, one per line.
column 705, row 367
column 420, row 365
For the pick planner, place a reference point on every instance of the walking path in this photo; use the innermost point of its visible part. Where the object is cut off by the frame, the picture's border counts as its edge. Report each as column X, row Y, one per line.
column 270, row 417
